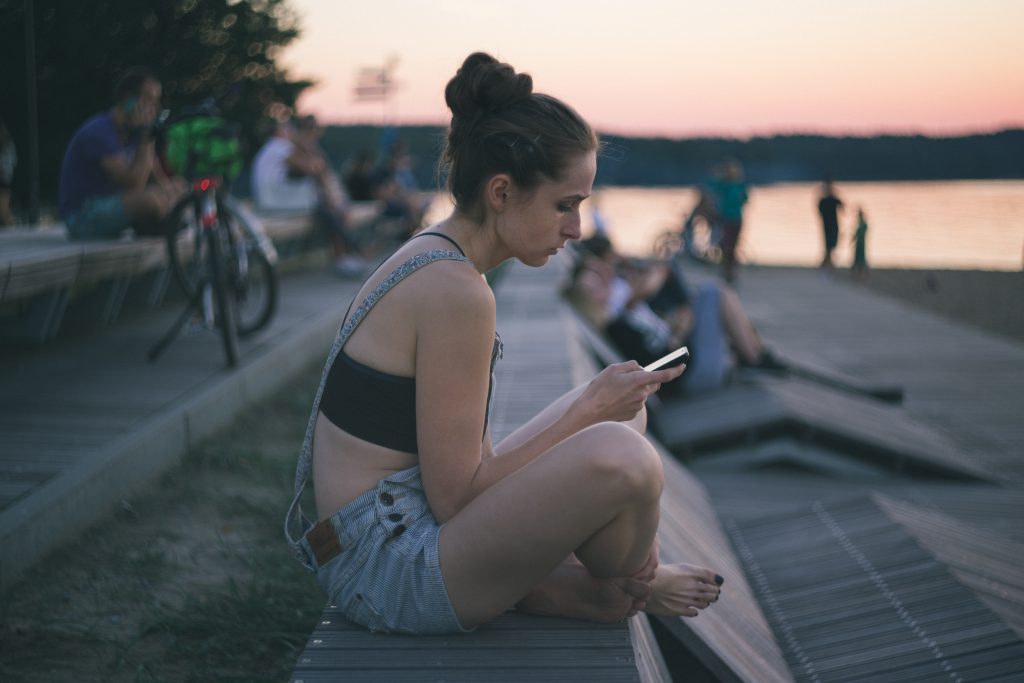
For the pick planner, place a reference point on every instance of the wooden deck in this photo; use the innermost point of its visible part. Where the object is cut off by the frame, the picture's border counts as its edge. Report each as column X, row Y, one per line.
column 961, row 382
column 854, row 597
column 85, row 421
column 81, row 419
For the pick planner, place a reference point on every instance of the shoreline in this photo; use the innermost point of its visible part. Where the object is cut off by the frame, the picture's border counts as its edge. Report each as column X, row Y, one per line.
column 992, row 300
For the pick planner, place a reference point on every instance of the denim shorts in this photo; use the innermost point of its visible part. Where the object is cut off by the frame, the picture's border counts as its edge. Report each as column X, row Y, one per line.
column 388, row 575
column 99, row 218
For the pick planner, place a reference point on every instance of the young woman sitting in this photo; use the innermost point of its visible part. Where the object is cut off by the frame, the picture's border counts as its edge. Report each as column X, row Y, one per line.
column 424, row 526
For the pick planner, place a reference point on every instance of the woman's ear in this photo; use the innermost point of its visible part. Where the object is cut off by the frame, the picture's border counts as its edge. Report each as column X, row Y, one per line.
column 497, row 192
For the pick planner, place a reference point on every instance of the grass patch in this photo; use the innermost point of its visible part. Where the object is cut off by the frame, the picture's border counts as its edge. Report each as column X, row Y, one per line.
column 190, row 581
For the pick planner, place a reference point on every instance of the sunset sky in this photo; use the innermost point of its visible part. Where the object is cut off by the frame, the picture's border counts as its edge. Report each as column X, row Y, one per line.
column 667, row 67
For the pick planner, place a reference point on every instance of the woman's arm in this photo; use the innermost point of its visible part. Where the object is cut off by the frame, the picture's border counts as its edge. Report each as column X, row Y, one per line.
column 455, row 333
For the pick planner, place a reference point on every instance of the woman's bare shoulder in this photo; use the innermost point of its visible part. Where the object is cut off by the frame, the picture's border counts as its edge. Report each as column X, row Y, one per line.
column 452, row 293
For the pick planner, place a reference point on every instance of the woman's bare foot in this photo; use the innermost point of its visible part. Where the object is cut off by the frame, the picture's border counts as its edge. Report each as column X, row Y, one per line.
column 681, row 590
column 570, row 591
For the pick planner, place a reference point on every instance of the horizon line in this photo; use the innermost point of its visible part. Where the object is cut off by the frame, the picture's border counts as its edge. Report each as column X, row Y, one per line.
column 711, row 135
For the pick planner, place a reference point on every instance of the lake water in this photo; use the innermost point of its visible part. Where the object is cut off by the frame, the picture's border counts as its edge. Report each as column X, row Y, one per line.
column 957, row 224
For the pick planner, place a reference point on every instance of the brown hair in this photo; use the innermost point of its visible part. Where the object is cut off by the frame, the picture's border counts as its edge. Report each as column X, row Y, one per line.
column 129, row 83
column 499, row 125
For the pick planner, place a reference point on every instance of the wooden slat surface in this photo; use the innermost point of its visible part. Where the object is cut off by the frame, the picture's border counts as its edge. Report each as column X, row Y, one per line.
column 35, row 261
column 989, row 564
column 513, row 647
column 997, row 510
column 962, row 382
column 854, row 597
column 768, row 406
column 732, row 637
column 60, row 406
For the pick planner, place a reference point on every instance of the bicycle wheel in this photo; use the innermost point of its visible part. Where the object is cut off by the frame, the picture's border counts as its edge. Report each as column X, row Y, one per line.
column 251, row 277
column 253, row 285
column 223, row 299
column 667, row 244
column 704, row 242
column 186, row 247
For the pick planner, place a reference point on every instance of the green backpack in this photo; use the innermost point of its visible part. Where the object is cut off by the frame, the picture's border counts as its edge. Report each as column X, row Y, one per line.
column 204, row 146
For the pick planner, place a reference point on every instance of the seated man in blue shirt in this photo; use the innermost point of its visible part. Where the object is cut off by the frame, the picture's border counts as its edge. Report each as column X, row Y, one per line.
column 110, row 179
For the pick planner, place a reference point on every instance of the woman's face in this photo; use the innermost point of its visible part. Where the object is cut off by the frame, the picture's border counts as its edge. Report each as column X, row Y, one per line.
column 538, row 224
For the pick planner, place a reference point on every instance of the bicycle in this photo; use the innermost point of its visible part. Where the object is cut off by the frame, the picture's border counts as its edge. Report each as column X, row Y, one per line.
column 699, row 239
column 217, row 252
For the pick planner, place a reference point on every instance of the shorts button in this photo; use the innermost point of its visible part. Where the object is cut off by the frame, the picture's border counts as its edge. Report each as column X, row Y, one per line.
column 395, row 517
column 387, row 498
column 399, row 530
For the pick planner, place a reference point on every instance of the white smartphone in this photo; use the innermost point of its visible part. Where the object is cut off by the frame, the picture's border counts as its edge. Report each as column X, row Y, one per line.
column 681, row 352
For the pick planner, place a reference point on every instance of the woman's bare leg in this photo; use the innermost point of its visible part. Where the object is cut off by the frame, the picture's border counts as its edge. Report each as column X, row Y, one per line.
column 570, row 589
column 551, row 413
column 595, row 494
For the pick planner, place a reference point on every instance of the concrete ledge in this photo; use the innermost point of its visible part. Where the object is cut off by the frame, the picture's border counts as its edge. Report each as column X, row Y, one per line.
column 79, row 497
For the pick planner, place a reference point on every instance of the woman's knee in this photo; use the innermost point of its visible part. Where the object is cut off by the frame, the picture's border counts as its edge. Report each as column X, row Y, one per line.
column 623, row 460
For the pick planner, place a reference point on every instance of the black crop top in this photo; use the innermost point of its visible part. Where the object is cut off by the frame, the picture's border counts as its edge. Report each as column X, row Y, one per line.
column 379, row 407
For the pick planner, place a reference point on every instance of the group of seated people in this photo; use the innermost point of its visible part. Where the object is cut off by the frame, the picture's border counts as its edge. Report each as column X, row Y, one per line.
column 292, row 173
column 390, row 182
column 113, row 178
column 647, row 309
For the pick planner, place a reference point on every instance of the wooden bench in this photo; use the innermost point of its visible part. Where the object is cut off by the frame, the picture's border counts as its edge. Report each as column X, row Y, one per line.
column 294, row 235
column 41, row 269
column 42, row 272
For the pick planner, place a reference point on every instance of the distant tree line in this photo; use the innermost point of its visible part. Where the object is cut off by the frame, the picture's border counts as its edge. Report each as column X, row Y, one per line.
column 781, row 158
column 793, row 158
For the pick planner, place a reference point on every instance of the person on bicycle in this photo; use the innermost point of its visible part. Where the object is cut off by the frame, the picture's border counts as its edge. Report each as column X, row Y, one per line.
column 424, row 526
column 110, row 179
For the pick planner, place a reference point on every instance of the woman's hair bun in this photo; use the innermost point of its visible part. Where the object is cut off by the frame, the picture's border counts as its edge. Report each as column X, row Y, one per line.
column 484, row 84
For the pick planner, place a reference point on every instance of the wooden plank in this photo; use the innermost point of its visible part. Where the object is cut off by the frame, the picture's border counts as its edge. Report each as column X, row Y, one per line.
column 854, row 597
column 962, row 382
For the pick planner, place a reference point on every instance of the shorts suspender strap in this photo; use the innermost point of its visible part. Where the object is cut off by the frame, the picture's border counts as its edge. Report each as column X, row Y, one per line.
column 349, row 326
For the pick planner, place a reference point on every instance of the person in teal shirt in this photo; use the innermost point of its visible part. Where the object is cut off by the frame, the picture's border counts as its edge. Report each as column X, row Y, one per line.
column 732, row 196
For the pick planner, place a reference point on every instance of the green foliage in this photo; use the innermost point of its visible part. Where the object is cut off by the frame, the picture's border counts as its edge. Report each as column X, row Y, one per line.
column 200, row 48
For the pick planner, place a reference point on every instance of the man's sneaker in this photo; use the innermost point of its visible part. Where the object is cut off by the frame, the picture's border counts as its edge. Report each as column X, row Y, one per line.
column 349, row 267
column 767, row 361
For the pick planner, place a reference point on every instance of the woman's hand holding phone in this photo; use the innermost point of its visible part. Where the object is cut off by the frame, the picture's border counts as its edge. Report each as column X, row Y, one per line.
column 619, row 391
column 681, row 352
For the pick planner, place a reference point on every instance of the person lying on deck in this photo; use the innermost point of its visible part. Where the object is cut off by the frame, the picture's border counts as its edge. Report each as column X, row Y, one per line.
column 422, row 525
column 647, row 309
